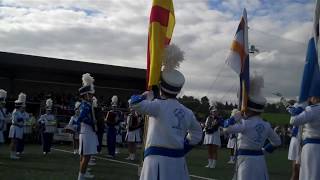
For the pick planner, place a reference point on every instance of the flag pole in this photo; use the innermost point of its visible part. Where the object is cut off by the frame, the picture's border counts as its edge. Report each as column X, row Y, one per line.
column 161, row 25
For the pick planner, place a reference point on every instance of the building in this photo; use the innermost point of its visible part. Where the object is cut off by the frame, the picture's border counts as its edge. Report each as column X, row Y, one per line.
column 39, row 76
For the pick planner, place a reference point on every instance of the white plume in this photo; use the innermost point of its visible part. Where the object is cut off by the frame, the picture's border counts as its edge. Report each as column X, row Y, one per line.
column 173, row 56
column 22, row 97
column 49, row 102
column 77, row 105
column 3, row 93
column 87, row 79
column 94, row 102
column 256, row 84
column 114, row 100
column 233, row 112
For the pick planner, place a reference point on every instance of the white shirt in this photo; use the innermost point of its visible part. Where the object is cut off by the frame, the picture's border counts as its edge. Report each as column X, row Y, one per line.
column 310, row 121
column 17, row 118
column 169, row 123
column 73, row 122
column 253, row 133
column 49, row 121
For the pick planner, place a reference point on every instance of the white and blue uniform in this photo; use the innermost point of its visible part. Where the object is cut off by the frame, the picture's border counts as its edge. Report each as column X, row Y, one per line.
column 252, row 134
column 309, row 121
column 133, row 129
column 48, row 122
column 16, row 129
column 75, row 126
column 212, row 134
column 169, row 125
column 232, row 141
column 88, row 140
column 295, row 145
column 20, row 144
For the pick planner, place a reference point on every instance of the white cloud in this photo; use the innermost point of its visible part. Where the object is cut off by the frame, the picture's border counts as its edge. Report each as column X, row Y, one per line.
column 115, row 32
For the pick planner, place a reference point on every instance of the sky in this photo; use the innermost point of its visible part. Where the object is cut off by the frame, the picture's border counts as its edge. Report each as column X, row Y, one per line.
column 115, row 32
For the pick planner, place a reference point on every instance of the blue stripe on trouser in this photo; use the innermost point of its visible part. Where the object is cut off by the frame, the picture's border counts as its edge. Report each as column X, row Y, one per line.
column 247, row 152
column 311, row 141
column 175, row 153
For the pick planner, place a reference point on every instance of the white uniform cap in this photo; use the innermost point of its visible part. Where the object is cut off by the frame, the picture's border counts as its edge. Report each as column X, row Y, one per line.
column 172, row 80
column 3, row 95
column 49, row 104
column 21, row 101
column 114, row 100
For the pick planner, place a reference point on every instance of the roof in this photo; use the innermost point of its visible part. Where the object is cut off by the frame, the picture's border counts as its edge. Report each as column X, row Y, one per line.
column 38, row 62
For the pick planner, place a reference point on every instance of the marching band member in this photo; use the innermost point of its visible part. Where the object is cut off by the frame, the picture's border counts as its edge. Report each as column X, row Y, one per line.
column 16, row 129
column 133, row 133
column 173, row 128
column 74, row 127
column 3, row 115
column 295, row 148
column 294, row 152
column 20, row 145
column 88, row 140
column 100, row 123
column 212, row 136
column 309, row 121
column 232, row 142
column 253, row 132
column 112, row 119
column 48, row 127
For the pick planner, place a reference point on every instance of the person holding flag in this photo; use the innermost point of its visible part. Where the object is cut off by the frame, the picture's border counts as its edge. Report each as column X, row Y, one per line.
column 252, row 132
column 173, row 128
column 308, row 119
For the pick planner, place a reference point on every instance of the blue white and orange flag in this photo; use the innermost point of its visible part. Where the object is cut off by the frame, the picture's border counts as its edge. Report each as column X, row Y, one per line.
column 311, row 73
column 316, row 25
column 161, row 25
column 238, row 59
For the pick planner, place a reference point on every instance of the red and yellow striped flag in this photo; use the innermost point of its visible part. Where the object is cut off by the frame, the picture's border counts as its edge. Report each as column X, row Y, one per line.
column 162, row 21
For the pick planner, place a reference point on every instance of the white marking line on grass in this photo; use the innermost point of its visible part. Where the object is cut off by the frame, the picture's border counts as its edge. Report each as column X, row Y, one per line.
column 122, row 162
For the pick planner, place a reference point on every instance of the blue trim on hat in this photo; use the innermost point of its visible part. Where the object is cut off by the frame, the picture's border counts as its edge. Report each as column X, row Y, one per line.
column 161, row 151
column 18, row 104
column 255, row 105
column 248, row 152
column 169, row 87
column 85, row 89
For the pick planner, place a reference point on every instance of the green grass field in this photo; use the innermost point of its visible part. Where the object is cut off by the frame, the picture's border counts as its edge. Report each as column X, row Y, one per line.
column 61, row 165
column 277, row 118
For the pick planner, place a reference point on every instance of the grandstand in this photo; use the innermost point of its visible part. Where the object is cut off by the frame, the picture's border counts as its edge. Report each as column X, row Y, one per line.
column 39, row 76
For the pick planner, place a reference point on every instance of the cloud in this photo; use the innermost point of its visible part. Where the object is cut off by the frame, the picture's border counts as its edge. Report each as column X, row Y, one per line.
column 115, row 32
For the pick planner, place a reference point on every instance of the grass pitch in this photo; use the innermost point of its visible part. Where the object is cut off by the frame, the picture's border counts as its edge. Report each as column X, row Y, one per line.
column 61, row 165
